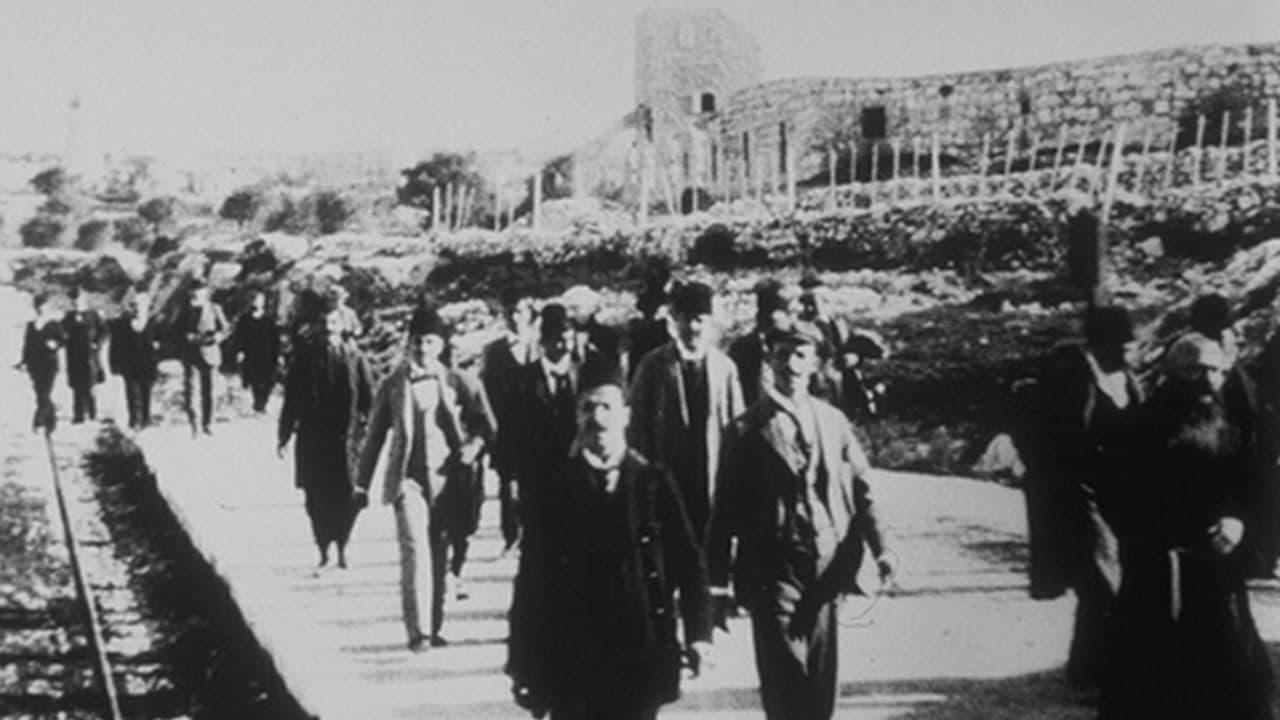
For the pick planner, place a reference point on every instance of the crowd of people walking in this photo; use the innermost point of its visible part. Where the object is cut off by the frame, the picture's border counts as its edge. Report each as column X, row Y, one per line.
column 655, row 485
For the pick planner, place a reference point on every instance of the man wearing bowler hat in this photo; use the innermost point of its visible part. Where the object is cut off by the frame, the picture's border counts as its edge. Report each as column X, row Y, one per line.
column 793, row 492
column 684, row 395
column 750, row 352
column 438, row 420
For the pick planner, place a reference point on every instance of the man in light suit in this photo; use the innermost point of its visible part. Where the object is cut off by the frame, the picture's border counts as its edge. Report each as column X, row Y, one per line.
column 793, row 492
column 684, row 395
column 438, row 420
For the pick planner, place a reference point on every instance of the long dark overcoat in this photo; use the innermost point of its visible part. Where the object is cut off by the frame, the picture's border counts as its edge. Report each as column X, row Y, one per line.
column 594, row 599
column 85, row 332
column 133, row 353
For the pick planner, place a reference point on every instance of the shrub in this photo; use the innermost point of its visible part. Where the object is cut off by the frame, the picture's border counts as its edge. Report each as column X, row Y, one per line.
column 92, row 235
column 241, row 206
column 332, row 211
column 42, row 231
column 132, row 233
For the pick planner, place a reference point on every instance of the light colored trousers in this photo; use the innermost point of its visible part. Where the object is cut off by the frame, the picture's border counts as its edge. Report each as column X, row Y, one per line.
column 422, row 563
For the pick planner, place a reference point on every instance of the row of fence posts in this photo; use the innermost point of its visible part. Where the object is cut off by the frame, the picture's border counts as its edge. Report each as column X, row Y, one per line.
column 452, row 206
column 1112, row 142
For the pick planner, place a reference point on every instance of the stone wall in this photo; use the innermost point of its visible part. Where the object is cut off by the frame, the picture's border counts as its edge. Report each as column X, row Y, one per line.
column 1149, row 91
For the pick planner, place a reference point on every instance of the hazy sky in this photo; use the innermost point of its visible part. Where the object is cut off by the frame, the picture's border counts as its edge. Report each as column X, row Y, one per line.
column 166, row 75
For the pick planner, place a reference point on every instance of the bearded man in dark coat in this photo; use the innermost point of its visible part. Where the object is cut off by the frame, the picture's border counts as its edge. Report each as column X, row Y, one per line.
column 327, row 393
column 1185, row 643
column 85, row 332
column 593, row 616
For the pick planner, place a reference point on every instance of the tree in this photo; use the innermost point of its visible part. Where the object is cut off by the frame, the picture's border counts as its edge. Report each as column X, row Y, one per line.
column 332, row 211
column 92, row 235
column 50, row 182
column 131, row 232
column 241, row 206
column 41, row 231
column 157, row 211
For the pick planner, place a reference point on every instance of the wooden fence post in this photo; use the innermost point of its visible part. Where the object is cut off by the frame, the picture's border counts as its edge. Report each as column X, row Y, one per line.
column 1035, row 150
column 831, row 178
column 897, row 158
column 935, row 152
column 1271, row 138
column 1140, row 174
column 1009, row 149
column 875, row 161
column 448, row 206
column 1195, row 169
column 1222, row 145
column 1248, row 139
column 1057, row 153
column 790, row 158
column 642, row 217
column 435, row 208
column 537, row 200
column 497, row 207
column 1171, row 167
column 1081, row 143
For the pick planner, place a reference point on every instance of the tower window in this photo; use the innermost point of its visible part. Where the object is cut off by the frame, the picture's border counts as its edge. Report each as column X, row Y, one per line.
column 875, row 122
column 707, row 102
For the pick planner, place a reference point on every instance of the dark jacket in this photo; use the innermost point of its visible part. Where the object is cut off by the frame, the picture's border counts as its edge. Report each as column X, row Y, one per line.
column 84, row 332
column 748, row 353
column 40, row 346
column 327, row 394
column 256, row 343
column 594, row 598
column 498, row 368
column 760, row 474
column 535, row 436
column 133, row 354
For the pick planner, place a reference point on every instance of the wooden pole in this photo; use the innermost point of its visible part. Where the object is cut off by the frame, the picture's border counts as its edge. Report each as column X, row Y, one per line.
column 663, row 167
column 1170, row 167
column 831, row 178
column 497, row 207
column 935, row 153
column 1248, row 140
column 853, row 162
column 537, row 200
column 790, row 158
column 875, row 161
column 1081, row 143
column 1008, row 154
column 1035, row 150
column 1195, row 169
column 1222, row 145
column 1102, row 291
column 642, row 217
column 448, row 206
column 897, row 158
column 1271, row 138
column 1057, row 153
column 984, row 163
column 1141, row 172
column 915, row 156
column 435, row 208
column 1113, row 175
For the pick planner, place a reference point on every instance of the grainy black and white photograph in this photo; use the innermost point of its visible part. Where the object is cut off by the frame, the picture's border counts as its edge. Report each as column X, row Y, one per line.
column 621, row 360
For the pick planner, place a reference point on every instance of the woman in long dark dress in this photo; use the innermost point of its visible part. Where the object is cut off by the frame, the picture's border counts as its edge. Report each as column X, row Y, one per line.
column 327, row 393
column 1186, row 645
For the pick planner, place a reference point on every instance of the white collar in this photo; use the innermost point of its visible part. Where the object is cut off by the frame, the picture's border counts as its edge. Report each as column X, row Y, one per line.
column 686, row 356
column 1114, row 385
column 560, row 368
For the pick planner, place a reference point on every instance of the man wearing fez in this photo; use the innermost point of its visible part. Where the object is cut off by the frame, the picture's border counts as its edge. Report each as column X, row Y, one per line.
column 256, row 341
column 534, row 442
column 749, row 352
column 793, row 492
column 85, row 332
column 133, row 355
column 1183, row 643
column 500, row 360
column 593, row 615
column 326, row 395
column 437, row 422
column 41, row 342
column 597, row 348
column 1081, row 454
column 202, row 328
column 683, row 398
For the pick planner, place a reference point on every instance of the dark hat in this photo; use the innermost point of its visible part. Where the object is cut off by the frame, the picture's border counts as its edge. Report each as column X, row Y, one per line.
column 606, row 375
column 769, row 297
column 509, row 296
column 426, row 320
column 553, row 320
column 1210, row 315
column 690, row 299
column 799, row 333
column 1107, row 326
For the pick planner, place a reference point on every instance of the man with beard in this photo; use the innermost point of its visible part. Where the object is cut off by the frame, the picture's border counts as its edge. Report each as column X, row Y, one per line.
column 256, row 340
column 133, row 355
column 326, row 395
column 683, row 398
column 793, row 492
column 1080, row 453
column 1185, row 643
column 84, row 331
column 593, row 616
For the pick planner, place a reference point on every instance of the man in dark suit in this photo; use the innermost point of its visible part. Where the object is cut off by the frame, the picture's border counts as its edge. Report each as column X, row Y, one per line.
column 597, row 348
column 438, row 421
column 793, row 492
column 749, row 352
column 256, row 343
column 500, row 361
column 201, row 327
column 84, row 332
column 533, row 445
column 1080, row 455
column 133, row 355
column 40, row 345
column 683, row 397
column 593, row 615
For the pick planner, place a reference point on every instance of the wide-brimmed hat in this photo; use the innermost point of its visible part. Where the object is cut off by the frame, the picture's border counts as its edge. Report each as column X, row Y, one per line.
column 693, row 298
column 426, row 320
column 553, row 320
